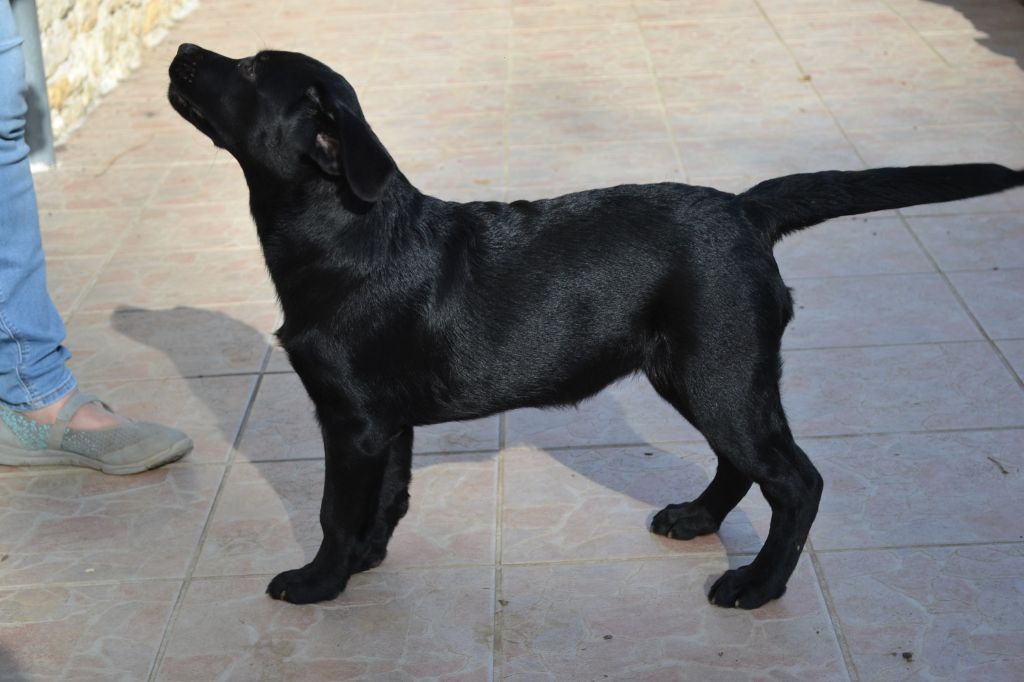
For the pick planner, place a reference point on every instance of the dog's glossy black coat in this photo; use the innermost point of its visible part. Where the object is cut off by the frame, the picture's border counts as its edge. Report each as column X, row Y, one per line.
column 401, row 309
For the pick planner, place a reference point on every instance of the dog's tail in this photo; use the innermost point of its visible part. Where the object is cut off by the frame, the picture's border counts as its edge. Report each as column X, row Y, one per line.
column 793, row 202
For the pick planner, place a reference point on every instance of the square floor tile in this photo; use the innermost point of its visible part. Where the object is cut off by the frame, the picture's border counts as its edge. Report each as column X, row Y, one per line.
column 854, row 311
column 268, row 517
column 412, row 625
column 851, row 246
column 939, row 613
column 598, row 504
column 75, row 525
column 899, row 388
column 650, row 620
column 84, row 632
column 916, row 489
column 973, row 242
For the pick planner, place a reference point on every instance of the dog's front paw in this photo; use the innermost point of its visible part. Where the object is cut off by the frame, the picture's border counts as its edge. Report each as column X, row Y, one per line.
column 740, row 588
column 683, row 521
column 307, row 585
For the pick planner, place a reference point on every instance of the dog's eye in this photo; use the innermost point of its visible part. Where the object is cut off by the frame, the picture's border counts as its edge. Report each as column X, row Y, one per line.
column 248, row 69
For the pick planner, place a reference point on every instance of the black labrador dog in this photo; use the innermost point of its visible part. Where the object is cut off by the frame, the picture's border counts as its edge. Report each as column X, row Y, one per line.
column 401, row 309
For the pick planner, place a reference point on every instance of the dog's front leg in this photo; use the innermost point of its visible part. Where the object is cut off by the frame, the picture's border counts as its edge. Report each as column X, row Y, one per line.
column 357, row 454
column 393, row 501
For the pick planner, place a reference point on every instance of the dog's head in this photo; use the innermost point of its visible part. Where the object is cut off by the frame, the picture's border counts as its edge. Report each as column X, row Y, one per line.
column 283, row 115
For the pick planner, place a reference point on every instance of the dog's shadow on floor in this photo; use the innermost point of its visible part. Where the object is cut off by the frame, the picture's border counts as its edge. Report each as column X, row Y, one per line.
column 650, row 475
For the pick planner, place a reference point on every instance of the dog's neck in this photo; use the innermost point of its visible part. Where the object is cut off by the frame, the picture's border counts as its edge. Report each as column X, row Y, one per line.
column 311, row 229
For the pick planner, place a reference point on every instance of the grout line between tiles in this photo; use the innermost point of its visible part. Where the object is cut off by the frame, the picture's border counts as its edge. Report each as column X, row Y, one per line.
column 924, row 545
column 698, row 441
column 663, row 108
column 919, row 34
column 865, row 346
column 880, row 275
column 497, row 648
column 534, row 562
column 958, row 342
column 833, row 614
column 803, row 71
column 505, row 126
column 179, row 601
column 658, row 443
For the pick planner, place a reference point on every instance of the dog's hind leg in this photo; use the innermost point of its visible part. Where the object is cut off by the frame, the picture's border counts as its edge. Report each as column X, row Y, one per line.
column 704, row 514
column 730, row 392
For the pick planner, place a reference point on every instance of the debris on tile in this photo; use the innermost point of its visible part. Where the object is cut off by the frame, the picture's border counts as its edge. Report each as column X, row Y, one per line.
column 999, row 464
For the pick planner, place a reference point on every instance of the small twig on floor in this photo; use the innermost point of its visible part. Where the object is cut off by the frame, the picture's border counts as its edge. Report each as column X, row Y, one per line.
column 999, row 464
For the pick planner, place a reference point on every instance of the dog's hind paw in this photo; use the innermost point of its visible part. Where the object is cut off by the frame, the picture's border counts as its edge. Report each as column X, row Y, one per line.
column 683, row 521
column 741, row 589
column 306, row 585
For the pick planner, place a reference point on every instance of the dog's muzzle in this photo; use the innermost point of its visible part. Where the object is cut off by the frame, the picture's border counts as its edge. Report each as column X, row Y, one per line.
column 186, row 63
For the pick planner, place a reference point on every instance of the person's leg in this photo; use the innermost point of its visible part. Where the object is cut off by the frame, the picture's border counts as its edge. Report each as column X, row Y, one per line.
column 33, row 371
column 43, row 419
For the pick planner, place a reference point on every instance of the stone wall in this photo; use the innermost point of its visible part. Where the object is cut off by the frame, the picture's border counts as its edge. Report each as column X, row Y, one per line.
column 89, row 45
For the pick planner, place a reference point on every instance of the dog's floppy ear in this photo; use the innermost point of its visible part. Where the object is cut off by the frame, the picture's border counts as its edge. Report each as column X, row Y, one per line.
column 344, row 144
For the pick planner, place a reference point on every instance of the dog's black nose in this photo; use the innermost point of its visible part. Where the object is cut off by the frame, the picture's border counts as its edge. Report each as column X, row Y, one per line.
column 185, row 65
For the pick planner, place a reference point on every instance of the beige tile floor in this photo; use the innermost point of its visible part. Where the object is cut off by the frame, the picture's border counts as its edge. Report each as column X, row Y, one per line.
column 525, row 554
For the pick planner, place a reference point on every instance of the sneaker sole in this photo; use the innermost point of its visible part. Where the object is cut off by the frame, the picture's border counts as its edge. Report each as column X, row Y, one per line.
column 62, row 458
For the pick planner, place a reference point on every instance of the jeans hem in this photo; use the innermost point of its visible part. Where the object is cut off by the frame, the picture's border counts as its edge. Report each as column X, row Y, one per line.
column 50, row 397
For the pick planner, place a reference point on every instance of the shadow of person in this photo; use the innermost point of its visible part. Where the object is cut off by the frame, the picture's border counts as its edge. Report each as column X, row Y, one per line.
column 654, row 476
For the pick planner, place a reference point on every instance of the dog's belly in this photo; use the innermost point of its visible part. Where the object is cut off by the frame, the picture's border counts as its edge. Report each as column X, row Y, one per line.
column 549, row 381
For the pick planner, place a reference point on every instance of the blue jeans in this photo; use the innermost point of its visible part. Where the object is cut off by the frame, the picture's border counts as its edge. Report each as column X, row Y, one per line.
column 33, row 370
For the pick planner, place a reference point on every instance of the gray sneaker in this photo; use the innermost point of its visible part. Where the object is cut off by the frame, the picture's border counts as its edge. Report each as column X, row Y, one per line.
column 128, row 449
